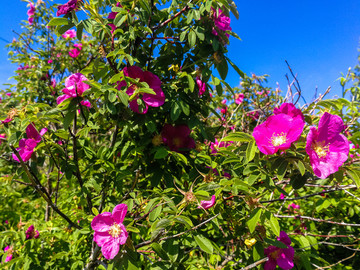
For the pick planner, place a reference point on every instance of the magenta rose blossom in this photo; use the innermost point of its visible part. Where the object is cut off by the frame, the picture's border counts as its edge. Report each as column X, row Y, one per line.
column 201, row 85
column 74, row 87
column 31, row 13
column 283, row 257
column 68, row 7
column 76, row 51
column 277, row 132
column 177, row 138
column 32, row 233
column 289, row 109
column 221, row 21
column 214, row 146
column 27, row 146
column 149, row 99
column 326, row 147
column 69, row 34
column 112, row 16
column 110, row 231
column 208, row 204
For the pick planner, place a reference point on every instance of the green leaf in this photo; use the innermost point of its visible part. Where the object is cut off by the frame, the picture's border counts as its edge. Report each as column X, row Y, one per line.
column 204, row 244
column 354, row 175
column 160, row 251
column 69, row 117
column 274, row 225
column 241, row 74
column 58, row 21
column 223, row 68
column 275, row 243
column 95, row 211
column 192, row 38
column 254, row 219
column 124, row 98
column 250, row 151
column 191, row 83
column 161, row 153
column 175, row 112
column 238, row 137
column 297, row 181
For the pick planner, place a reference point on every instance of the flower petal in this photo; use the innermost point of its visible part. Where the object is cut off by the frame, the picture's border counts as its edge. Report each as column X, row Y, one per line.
column 101, row 237
column 102, row 222
column 110, row 249
column 119, row 213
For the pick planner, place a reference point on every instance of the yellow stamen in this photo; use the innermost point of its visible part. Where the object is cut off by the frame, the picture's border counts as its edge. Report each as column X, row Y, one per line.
column 278, row 139
column 320, row 148
column 115, row 230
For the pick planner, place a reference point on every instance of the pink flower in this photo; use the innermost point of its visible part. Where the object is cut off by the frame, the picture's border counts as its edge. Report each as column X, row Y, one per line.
column 221, row 21
column 110, row 231
column 27, row 146
column 177, row 138
column 277, row 132
column 2, row 136
column 69, row 34
column 7, row 120
column 68, row 7
column 31, row 13
column 74, row 87
column 201, row 85
column 86, row 103
column 50, row 61
column 208, row 204
column 282, row 196
column 326, row 147
column 112, row 16
column 8, row 94
column 283, row 257
column 148, row 99
column 239, row 98
column 289, row 109
column 294, row 206
column 9, row 253
column 214, row 146
column 32, row 233
column 53, row 83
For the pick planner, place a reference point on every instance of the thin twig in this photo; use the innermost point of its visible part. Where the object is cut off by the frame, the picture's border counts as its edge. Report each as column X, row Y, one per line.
column 255, row 264
column 319, row 220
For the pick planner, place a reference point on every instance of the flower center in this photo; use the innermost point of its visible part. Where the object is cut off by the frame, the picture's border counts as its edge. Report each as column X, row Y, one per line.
column 320, row 148
column 177, row 142
column 275, row 254
column 278, row 139
column 115, row 230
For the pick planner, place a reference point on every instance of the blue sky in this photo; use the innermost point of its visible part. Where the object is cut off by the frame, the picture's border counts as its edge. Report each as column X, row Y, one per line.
column 320, row 39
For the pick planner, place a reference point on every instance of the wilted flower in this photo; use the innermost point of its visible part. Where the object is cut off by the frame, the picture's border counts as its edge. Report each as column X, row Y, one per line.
column 75, row 87
column 208, row 204
column 326, row 147
column 250, row 242
column 32, row 233
column 9, row 253
column 110, row 231
column 69, row 34
column 239, row 98
column 177, row 138
column 221, row 21
column 68, row 7
column 283, row 257
column 201, row 85
column 148, row 99
column 277, row 132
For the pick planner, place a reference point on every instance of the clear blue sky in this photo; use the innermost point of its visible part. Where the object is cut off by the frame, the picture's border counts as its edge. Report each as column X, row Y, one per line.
column 319, row 39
